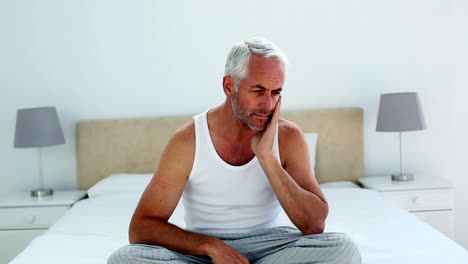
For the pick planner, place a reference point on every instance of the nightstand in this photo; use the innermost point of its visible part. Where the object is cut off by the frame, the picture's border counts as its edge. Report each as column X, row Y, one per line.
column 22, row 218
column 430, row 199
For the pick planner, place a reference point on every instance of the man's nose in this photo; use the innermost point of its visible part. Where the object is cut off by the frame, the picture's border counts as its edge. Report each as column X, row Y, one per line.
column 267, row 102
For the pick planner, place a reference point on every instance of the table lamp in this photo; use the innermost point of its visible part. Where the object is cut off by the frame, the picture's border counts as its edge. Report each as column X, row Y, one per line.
column 399, row 112
column 37, row 128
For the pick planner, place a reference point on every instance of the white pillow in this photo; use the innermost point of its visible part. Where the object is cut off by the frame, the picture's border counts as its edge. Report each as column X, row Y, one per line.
column 119, row 183
column 339, row 184
column 311, row 139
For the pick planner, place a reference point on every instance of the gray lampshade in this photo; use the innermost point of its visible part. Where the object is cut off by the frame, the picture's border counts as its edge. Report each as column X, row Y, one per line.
column 38, row 127
column 400, row 112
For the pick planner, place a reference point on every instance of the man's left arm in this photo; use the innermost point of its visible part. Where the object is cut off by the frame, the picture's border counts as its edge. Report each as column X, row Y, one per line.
column 294, row 185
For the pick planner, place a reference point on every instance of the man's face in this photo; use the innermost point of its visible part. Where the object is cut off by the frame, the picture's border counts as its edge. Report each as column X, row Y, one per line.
column 254, row 102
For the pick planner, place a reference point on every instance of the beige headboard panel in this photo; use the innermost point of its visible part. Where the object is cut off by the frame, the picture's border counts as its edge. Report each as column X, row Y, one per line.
column 134, row 145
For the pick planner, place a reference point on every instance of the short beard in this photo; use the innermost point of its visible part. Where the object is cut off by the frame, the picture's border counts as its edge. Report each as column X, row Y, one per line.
column 243, row 115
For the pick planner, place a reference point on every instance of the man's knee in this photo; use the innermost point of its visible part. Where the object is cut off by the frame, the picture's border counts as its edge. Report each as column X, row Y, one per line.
column 119, row 256
column 349, row 252
column 136, row 253
column 337, row 247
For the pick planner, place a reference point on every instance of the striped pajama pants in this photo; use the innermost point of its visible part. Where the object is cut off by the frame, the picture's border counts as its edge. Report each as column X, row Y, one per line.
column 271, row 245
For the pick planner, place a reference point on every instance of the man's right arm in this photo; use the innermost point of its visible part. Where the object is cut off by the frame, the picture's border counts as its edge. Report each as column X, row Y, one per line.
column 149, row 222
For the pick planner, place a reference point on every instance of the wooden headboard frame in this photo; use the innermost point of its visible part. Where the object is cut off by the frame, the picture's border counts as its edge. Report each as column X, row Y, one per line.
column 134, row 145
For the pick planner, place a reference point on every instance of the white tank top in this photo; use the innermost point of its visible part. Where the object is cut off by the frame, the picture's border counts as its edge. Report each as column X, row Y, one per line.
column 221, row 198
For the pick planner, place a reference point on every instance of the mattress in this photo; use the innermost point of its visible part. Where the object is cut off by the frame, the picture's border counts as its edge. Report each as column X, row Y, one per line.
column 95, row 227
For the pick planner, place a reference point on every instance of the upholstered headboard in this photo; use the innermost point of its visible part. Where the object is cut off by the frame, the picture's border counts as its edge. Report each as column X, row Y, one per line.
column 105, row 147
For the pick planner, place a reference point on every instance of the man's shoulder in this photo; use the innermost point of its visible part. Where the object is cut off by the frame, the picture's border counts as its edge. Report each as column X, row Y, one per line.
column 185, row 134
column 288, row 129
column 291, row 139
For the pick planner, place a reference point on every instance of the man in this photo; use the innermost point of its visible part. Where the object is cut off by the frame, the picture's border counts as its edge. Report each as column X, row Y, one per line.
column 236, row 166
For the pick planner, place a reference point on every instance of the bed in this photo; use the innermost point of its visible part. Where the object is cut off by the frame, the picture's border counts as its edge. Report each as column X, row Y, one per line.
column 116, row 159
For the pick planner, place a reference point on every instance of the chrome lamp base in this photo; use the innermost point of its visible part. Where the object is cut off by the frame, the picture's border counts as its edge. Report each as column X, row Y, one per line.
column 42, row 192
column 403, row 177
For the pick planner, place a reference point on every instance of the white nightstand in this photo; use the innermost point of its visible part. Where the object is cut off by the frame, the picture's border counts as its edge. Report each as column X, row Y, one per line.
column 430, row 199
column 22, row 218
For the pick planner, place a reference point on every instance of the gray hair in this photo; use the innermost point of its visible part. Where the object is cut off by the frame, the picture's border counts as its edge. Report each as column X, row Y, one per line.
column 238, row 57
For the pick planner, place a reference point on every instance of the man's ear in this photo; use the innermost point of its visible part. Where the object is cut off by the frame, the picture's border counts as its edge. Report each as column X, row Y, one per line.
column 228, row 86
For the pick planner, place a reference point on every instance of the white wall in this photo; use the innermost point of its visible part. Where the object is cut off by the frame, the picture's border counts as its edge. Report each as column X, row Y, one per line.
column 103, row 59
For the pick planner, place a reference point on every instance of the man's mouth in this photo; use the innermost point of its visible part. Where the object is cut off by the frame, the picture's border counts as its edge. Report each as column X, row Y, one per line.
column 261, row 116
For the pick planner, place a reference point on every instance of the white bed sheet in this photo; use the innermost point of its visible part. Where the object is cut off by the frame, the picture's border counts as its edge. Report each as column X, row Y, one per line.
column 384, row 233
